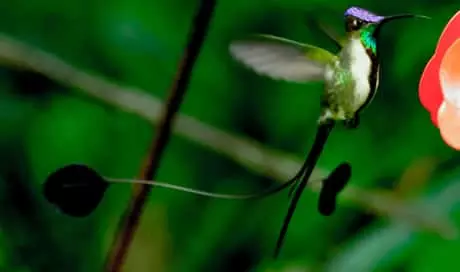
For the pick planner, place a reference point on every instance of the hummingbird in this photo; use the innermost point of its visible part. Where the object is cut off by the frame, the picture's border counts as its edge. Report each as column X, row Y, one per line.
column 350, row 77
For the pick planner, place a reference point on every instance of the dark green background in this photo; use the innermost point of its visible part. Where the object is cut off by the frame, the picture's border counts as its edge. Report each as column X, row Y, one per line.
column 45, row 124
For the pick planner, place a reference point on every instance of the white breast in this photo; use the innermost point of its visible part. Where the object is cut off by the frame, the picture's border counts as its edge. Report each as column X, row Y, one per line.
column 359, row 64
column 347, row 81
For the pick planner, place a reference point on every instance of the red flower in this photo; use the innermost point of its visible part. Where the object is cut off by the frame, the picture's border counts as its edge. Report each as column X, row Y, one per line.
column 439, row 87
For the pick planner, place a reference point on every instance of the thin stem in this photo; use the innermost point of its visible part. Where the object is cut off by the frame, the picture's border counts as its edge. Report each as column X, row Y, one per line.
column 133, row 213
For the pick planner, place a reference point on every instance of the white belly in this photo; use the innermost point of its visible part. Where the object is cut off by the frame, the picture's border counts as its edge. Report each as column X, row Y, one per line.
column 347, row 81
column 359, row 64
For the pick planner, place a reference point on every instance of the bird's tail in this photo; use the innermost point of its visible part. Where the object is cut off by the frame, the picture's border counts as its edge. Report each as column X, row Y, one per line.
column 320, row 140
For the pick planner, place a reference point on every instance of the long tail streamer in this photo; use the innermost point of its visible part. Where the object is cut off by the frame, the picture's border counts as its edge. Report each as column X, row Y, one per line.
column 322, row 135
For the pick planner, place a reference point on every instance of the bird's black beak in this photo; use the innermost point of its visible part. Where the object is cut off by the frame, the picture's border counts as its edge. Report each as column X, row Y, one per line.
column 401, row 16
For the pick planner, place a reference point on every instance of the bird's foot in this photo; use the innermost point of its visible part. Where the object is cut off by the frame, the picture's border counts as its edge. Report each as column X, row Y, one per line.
column 352, row 123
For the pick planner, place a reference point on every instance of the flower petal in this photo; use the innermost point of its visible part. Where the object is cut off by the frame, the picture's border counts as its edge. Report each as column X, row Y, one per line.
column 430, row 93
column 450, row 74
column 450, row 33
column 449, row 124
column 434, row 118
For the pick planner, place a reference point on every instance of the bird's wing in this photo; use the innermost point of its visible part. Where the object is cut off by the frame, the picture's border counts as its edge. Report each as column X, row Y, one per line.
column 336, row 38
column 281, row 58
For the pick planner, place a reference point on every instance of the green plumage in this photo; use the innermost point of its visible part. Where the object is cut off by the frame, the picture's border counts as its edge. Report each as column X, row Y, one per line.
column 367, row 38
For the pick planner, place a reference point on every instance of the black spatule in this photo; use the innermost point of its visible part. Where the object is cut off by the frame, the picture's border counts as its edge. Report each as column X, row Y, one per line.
column 333, row 185
column 75, row 189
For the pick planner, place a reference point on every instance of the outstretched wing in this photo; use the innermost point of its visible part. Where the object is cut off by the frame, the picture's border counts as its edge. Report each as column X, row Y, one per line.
column 281, row 58
column 329, row 32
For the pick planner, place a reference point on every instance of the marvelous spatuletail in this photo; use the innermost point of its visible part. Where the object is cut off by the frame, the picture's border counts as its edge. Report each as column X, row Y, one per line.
column 77, row 190
column 350, row 79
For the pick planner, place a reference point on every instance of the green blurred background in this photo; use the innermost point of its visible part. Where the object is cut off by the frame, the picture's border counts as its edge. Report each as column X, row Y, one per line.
column 399, row 214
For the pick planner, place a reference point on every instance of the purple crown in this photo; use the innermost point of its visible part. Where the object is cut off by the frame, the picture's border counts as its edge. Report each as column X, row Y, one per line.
column 363, row 14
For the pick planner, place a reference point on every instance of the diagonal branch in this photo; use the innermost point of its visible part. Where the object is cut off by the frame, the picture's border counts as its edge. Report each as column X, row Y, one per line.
column 246, row 152
column 130, row 221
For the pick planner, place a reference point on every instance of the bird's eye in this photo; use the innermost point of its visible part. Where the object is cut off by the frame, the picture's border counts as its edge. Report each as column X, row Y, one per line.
column 354, row 24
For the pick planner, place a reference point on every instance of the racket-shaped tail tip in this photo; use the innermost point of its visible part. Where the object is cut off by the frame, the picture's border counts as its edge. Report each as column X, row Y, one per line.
column 339, row 178
column 332, row 186
column 327, row 203
column 75, row 190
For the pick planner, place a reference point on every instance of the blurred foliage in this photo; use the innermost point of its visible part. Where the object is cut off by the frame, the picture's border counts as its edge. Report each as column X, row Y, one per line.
column 45, row 125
